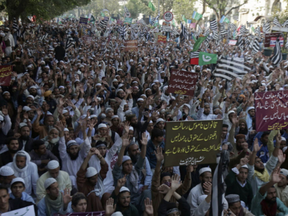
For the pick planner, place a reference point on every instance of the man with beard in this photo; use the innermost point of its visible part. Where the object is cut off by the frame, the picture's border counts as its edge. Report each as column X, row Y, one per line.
column 201, row 189
column 25, row 142
column 235, row 207
column 282, row 187
column 258, row 173
column 204, row 111
column 50, row 101
column 13, row 147
column 6, row 176
column 116, row 126
column 25, row 169
column 111, row 158
column 146, row 173
column 72, row 155
column 124, row 167
column 266, row 202
column 43, row 130
column 250, row 116
column 90, row 182
column 52, row 142
column 54, row 171
column 242, row 128
column 41, row 156
column 122, row 199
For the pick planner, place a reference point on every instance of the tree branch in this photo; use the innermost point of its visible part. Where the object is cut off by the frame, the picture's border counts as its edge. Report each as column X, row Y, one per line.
column 235, row 7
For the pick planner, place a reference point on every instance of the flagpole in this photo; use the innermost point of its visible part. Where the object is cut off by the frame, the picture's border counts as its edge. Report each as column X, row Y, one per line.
column 158, row 6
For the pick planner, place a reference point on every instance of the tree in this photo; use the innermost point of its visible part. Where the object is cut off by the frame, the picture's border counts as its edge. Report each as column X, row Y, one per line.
column 223, row 7
column 42, row 9
column 183, row 7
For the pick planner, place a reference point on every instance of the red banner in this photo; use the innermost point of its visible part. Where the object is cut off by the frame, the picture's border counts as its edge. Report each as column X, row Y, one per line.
column 5, row 75
column 271, row 110
column 131, row 45
column 162, row 39
column 182, row 82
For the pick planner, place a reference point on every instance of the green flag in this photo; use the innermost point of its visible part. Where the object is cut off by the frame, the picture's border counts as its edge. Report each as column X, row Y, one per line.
column 150, row 5
column 184, row 19
column 198, row 43
column 173, row 23
column 207, row 58
column 92, row 19
column 196, row 15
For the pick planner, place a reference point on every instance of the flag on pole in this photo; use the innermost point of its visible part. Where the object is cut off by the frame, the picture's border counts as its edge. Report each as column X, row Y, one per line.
column 207, row 58
column 194, row 58
column 196, row 15
column 198, row 43
column 277, row 55
column 184, row 19
column 92, row 19
column 150, row 5
column 217, row 195
column 224, row 19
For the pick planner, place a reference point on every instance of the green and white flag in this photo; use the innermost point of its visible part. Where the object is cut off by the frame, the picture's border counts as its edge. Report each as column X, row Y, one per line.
column 150, row 5
column 196, row 15
column 184, row 19
column 198, row 43
column 207, row 58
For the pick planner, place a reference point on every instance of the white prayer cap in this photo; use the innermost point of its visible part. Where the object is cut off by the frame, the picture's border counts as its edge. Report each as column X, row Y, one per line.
column 118, row 90
column 115, row 80
column 140, row 99
column 33, row 87
column 61, row 87
column 6, row 92
column 143, row 95
column 205, row 169
column 17, row 180
column 91, row 171
column 26, row 108
column 114, row 116
column 98, row 84
column 64, row 111
column 22, row 124
column 30, row 96
column 102, row 125
column 108, row 109
column 250, row 108
column 131, row 128
column 284, row 172
column 125, row 158
column 48, row 113
column 188, row 105
column 201, row 198
column 128, row 112
column 244, row 166
column 49, row 182
column 160, row 120
column 53, row 164
column 118, row 213
column 71, row 143
column 93, row 116
column 156, row 81
column 6, row 171
column 66, row 130
column 283, row 139
column 232, row 198
column 124, row 189
column 230, row 112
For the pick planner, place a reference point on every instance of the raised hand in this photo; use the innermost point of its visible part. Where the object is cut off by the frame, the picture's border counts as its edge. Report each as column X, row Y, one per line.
column 190, row 168
column 125, row 142
column 4, row 110
column 281, row 156
column 243, row 161
column 275, row 178
column 278, row 139
column 91, row 152
column 121, row 182
column 148, row 206
column 110, row 206
column 175, row 183
column 163, row 189
column 159, row 155
column 66, row 196
column 256, row 146
column 144, row 140
column 19, row 109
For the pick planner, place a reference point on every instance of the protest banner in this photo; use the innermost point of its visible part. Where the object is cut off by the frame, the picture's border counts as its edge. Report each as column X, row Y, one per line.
column 192, row 142
column 83, row 20
column 166, row 27
column 270, row 39
column 232, row 42
column 162, row 39
column 5, row 75
column 182, row 82
column 271, row 110
column 98, row 213
column 29, row 211
column 128, row 20
column 131, row 45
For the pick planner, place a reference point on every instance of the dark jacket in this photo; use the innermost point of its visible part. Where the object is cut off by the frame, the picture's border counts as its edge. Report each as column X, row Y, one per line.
column 165, row 206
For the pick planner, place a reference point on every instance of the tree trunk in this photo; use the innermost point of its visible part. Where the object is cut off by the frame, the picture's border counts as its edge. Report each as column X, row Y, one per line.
column 203, row 11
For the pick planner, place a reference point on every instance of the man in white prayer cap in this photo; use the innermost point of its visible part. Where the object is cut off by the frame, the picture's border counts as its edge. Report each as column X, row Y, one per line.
column 6, row 176
column 55, row 201
column 54, row 171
